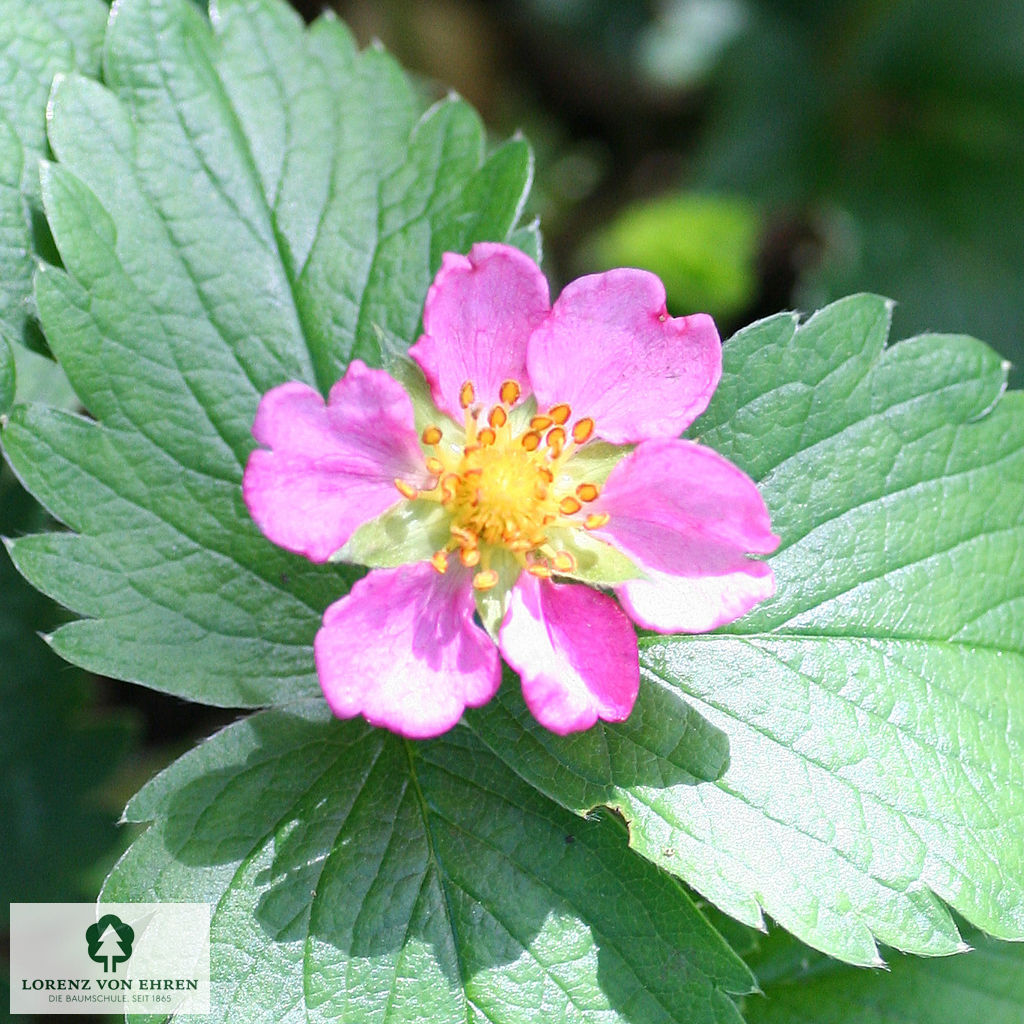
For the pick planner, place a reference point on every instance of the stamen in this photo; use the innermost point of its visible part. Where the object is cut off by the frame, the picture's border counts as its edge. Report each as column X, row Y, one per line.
column 560, row 413
column 582, row 430
column 498, row 417
column 541, row 422
column 540, row 571
column 564, row 561
column 466, row 538
column 432, row 435
column 569, row 505
column 556, row 437
column 531, row 440
column 587, row 492
column 435, row 466
column 469, row 557
column 449, row 486
column 467, row 394
column 595, row 520
column 406, row 490
column 487, row 436
column 485, row 580
column 510, row 392
column 439, row 560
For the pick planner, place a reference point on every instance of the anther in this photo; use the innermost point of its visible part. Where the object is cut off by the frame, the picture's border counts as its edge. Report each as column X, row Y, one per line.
column 583, row 430
column 564, row 561
column 485, row 580
column 435, row 466
column 510, row 392
column 467, row 394
column 595, row 520
column 585, row 492
column 540, row 571
column 439, row 560
column 531, row 440
column 431, row 436
column 469, row 557
column 556, row 438
column 406, row 490
column 498, row 417
column 487, row 436
column 560, row 413
column 520, row 545
column 541, row 422
column 569, row 505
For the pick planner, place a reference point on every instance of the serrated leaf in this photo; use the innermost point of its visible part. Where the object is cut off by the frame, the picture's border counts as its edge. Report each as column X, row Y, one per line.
column 240, row 204
column 356, row 876
column 38, row 39
column 55, row 752
column 874, row 708
column 984, row 986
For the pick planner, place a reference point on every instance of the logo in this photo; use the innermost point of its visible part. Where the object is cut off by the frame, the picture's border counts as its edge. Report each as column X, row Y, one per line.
column 137, row 958
column 110, row 942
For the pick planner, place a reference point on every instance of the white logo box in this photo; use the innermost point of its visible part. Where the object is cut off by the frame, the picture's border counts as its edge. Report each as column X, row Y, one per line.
column 110, row 958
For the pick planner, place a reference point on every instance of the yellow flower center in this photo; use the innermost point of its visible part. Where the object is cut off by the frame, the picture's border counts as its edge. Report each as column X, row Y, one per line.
column 506, row 489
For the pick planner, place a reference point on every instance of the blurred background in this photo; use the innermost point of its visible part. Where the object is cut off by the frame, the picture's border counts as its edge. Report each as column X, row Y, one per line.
column 757, row 154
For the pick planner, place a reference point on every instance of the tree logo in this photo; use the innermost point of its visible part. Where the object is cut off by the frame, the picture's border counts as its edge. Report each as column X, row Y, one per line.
column 110, row 941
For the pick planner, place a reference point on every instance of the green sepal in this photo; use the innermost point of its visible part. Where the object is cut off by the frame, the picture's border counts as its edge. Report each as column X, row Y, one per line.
column 425, row 412
column 594, row 462
column 597, row 562
column 410, row 531
column 492, row 604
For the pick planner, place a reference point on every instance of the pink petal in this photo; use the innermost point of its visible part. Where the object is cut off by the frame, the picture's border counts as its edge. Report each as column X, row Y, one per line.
column 575, row 651
column 610, row 351
column 401, row 649
column 329, row 468
column 478, row 317
column 696, row 604
column 689, row 518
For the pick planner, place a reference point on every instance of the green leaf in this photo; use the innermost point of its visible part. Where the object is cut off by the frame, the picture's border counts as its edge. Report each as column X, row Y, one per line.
column 38, row 39
column 874, row 708
column 241, row 204
column 40, row 379
column 56, row 752
column 357, row 876
column 985, row 986
column 8, row 378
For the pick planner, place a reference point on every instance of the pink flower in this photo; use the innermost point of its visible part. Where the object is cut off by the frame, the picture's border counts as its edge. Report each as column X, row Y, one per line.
column 532, row 455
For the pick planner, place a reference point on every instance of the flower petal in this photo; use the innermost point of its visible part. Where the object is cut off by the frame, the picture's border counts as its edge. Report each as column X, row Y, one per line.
column 478, row 317
column 610, row 351
column 688, row 517
column 696, row 604
column 330, row 467
column 401, row 649
column 575, row 651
